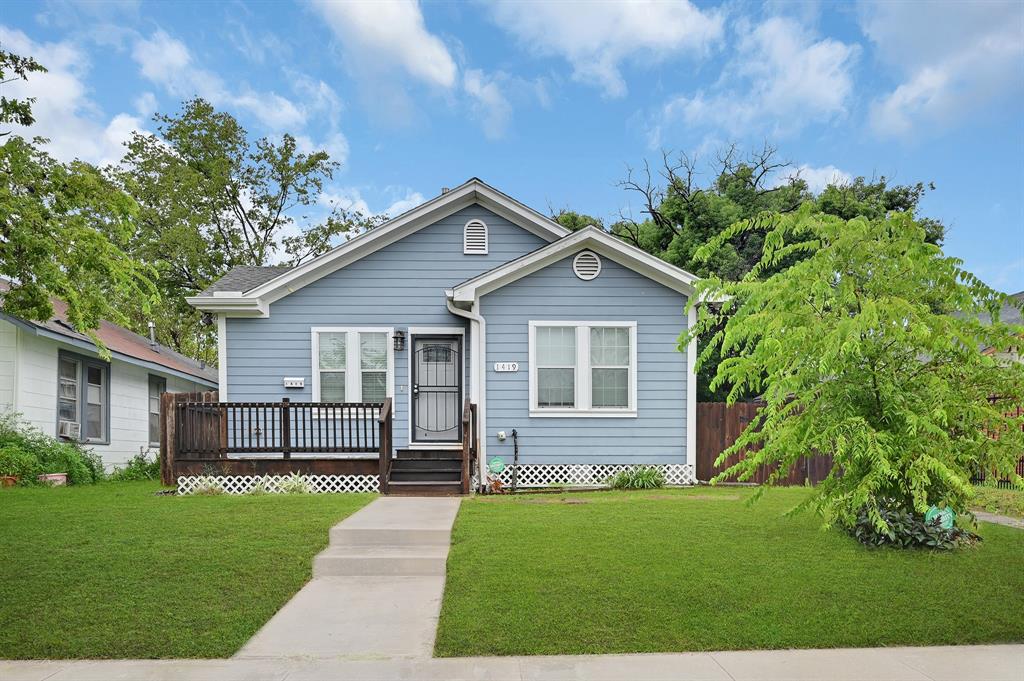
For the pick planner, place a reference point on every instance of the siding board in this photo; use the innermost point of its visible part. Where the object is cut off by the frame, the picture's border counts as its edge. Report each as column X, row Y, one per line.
column 656, row 435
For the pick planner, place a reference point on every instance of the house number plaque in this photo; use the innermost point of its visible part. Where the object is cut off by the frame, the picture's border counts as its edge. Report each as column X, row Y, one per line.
column 506, row 367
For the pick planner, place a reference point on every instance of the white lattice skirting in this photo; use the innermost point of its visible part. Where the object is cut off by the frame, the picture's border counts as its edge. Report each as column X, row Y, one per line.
column 275, row 484
column 590, row 475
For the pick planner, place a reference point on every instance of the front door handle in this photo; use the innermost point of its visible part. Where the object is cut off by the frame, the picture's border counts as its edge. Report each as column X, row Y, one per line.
column 415, row 389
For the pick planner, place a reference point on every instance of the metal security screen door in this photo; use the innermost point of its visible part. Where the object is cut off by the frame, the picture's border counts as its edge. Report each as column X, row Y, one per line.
column 437, row 388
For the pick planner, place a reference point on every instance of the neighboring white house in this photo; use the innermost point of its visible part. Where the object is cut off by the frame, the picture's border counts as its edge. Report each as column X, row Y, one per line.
column 54, row 377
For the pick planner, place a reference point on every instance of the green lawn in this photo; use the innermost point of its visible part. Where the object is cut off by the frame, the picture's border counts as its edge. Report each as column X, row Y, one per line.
column 998, row 500
column 114, row 571
column 698, row 569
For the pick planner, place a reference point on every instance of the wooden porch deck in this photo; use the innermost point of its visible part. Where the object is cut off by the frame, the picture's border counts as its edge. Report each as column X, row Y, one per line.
column 201, row 435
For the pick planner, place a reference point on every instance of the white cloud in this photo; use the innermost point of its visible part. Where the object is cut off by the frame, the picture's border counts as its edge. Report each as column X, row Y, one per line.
column 400, row 199
column 781, row 79
column 145, row 104
column 167, row 62
column 64, row 112
column 819, row 178
column 489, row 103
column 390, row 34
column 954, row 59
column 597, row 37
column 336, row 144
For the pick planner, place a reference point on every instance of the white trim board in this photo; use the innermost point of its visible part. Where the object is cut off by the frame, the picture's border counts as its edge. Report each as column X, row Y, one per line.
column 222, row 358
column 582, row 373
column 589, row 238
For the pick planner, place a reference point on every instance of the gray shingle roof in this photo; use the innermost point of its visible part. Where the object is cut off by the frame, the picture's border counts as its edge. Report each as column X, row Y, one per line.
column 245, row 278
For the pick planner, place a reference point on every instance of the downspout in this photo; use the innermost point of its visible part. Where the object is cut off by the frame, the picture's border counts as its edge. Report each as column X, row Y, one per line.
column 477, row 376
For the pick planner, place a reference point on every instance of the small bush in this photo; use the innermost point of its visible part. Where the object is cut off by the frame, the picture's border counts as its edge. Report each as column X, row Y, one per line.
column 139, row 467
column 641, row 477
column 17, row 462
column 31, row 453
column 908, row 530
column 294, row 484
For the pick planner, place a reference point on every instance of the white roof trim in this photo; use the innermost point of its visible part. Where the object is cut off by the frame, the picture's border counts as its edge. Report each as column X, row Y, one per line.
column 233, row 305
column 591, row 238
column 473, row 191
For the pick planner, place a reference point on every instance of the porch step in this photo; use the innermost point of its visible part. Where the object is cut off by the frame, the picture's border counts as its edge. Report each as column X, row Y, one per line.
column 450, row 464
column 376, row 561
column 432, row 454
column 427, row 475
column 425, row 489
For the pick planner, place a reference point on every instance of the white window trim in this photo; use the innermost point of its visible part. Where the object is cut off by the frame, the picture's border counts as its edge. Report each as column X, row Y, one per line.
column 465, row 239
column 583, row 373
column 353, row 378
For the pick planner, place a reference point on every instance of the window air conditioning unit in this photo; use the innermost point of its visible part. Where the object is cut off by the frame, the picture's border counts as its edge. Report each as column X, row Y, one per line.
column 69, row 430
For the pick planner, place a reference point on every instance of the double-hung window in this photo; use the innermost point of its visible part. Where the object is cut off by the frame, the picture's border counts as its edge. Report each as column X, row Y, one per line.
column 83, row 398
column 582, row 368
column 352, row 364
column 157, row 387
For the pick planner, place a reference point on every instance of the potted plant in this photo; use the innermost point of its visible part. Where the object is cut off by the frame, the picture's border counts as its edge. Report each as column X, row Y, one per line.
column 15, row 463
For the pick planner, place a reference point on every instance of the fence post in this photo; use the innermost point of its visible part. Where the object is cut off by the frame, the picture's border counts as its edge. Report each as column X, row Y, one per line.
column 167, row 438
column 286, row 428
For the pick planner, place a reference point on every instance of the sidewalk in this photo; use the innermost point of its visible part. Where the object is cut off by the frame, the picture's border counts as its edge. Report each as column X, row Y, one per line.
column 966, row 663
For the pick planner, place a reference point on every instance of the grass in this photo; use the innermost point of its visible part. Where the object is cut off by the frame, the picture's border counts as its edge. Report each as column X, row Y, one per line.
column 698, row 569
column 1002, row 501
column 114, row 571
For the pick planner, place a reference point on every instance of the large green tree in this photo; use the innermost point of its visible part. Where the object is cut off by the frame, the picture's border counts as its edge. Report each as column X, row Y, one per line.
column 13, row 68
column 681, row 211
column 64, row 228
column 211, row 198
column 855, row 358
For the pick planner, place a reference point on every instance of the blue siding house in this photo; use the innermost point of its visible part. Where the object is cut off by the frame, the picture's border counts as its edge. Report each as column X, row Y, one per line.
column 564, row 343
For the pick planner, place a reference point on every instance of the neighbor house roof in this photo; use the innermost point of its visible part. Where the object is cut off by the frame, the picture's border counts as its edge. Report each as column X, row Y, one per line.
column 123, row 344
column 590, row 238
column 254, row 301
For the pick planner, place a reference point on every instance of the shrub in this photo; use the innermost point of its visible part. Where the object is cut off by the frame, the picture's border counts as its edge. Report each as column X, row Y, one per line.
column 641, row 477
column 907, row 530
column 17, row 462
column 139, row 467
column 33, row 453
column 294, row 484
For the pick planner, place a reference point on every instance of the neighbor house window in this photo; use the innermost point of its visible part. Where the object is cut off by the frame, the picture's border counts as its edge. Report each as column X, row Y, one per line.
column 582, row 368
column 352, row 365
column 83, row 398
column 157, row 387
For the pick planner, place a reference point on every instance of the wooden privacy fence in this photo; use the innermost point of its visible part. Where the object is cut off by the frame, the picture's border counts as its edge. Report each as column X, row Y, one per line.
column 720, row 424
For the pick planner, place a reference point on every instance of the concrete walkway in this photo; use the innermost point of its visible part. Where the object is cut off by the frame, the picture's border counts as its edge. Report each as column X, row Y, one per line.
column 998, row 519
column 376, row 589
column 962, row 663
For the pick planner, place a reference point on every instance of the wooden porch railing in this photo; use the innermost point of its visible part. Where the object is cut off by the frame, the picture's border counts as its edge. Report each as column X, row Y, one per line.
column 384, row 423
column 217, row 429
column 470, row 442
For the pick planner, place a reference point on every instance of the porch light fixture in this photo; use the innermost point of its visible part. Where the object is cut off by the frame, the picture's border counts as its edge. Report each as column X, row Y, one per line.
column 399, row 339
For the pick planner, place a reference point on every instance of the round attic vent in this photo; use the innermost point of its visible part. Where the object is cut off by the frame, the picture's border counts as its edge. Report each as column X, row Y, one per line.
column 586, row 265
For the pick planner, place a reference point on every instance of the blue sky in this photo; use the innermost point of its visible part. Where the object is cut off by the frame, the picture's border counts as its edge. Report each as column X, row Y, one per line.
column 550, row 101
